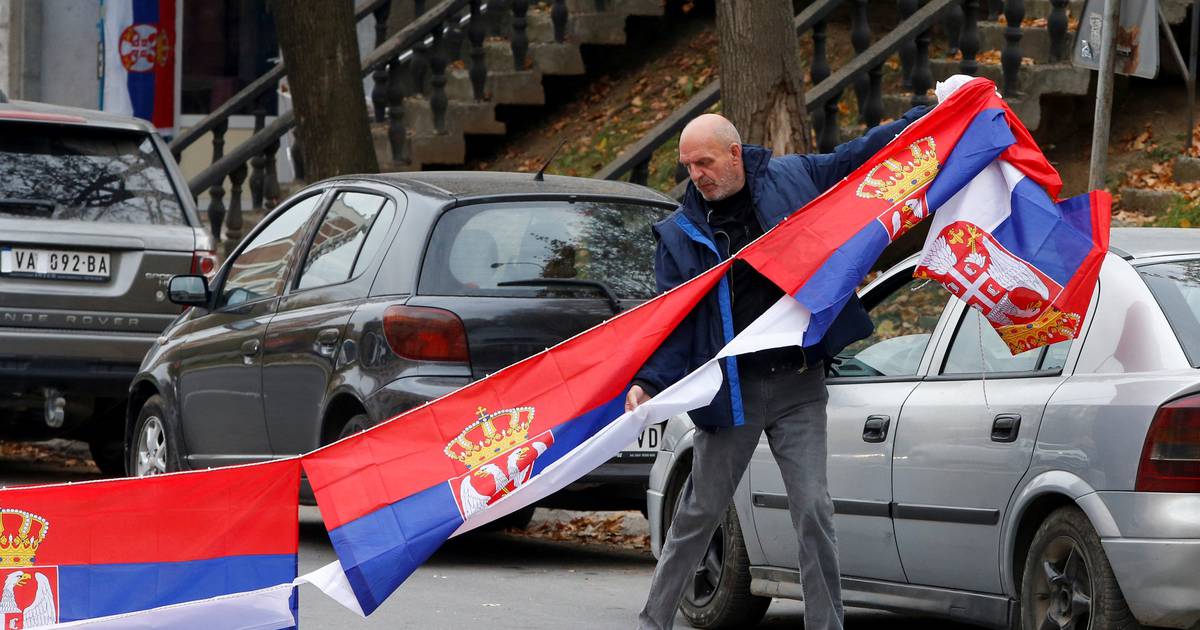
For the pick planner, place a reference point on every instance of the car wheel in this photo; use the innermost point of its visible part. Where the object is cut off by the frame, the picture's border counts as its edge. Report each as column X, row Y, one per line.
column 517, row 520
column 105, row 438
column 154, row 449
column 718, row 594
column 356, row 424
column 1067, row 583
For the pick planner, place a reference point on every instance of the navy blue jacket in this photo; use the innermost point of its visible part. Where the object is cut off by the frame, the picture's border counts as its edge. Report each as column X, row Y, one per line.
column 778, row 187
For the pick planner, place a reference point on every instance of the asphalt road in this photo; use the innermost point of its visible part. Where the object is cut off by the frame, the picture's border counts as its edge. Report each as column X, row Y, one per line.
column 497, row 580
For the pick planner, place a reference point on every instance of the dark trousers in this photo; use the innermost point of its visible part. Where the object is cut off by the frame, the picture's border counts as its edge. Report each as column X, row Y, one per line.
column 790, row 408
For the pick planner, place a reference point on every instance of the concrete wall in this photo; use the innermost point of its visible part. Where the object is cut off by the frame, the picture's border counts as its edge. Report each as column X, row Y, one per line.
column 5, row 39
column 70, row 41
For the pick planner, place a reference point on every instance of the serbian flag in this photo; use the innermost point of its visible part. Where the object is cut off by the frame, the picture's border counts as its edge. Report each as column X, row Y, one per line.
column 141, row 73
column 391, row 495
column 153, row 552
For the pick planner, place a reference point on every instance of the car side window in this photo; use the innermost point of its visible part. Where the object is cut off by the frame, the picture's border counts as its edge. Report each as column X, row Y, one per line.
column 339, row 239
column 977, row 348
column 260, row 269
column 904, row 322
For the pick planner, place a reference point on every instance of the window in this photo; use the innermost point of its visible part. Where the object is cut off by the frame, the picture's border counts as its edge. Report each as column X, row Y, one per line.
column 977, row 348
column 1176, row 287
column 539, row 249
column 261, row 268
column 72, row 172
column 339, row 238
column 904, row 322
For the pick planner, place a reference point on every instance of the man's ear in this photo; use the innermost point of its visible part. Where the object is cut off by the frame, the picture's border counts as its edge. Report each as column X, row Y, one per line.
column 735, row 152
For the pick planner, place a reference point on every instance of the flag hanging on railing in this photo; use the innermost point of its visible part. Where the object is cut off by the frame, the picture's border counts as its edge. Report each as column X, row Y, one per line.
column 392, row 495
column 141, row 70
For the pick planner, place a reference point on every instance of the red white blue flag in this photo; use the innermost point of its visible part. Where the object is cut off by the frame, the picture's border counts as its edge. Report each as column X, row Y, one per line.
column 392, row 495
column 141, row 73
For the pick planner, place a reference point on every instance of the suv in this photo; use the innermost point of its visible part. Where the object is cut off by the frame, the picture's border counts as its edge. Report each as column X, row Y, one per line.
column 94, row 220
column 362, row 297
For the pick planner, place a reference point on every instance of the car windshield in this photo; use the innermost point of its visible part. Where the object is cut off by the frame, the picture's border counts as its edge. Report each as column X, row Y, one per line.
column 70, row 172
column 543, row 249
column 1176, row 287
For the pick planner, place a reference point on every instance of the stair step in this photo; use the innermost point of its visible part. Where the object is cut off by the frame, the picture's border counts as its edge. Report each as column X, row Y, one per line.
column 461, row 117
column 557, row 59
column 501, row 88
column 582, row 28
column 625, row 7
column 433, row 148
column 1037, row 9
column 1035, row 42
column 1040, row 78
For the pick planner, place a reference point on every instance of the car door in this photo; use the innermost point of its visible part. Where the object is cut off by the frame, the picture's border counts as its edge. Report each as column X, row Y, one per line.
column 304, row 339
column 220, row 369
column 967, row 437
column 870, row 381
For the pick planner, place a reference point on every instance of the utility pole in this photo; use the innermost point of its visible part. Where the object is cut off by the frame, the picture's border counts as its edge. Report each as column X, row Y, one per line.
column 1104, row 94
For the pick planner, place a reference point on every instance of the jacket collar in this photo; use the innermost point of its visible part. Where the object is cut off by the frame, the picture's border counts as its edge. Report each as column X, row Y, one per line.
column 754, row 159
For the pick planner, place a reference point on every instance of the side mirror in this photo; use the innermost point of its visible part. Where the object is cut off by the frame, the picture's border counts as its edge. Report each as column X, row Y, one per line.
column 188, row 290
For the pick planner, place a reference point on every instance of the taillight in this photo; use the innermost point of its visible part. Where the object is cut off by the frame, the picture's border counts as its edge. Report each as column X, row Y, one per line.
column 204, row 262
column 1171, row 454
column 425, row 334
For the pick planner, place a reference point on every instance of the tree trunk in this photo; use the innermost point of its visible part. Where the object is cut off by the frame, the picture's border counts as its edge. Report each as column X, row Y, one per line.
column 762, row 83
column 318, row 41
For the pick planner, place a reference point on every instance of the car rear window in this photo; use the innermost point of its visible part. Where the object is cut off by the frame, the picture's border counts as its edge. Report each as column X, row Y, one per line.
column 475, row 250
column 71, row 172
column 1176, row 287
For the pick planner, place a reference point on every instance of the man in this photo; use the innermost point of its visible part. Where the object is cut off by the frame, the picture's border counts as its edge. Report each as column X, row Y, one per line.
column 736, row 193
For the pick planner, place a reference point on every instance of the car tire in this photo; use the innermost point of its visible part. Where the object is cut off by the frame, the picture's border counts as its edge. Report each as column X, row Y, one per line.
column 517, row 520
column 1067, row 581
column 719, row 596
column 154, row 449
column 356, row 424
column 108, row 454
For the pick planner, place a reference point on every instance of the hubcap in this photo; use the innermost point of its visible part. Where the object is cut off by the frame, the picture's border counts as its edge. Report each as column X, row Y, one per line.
column 708, row 572
column 1063, row 589
column 152, row 448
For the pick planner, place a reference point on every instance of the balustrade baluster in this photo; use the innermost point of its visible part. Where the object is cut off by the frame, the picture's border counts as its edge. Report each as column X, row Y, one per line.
column 271, row 192
column 454, row 39
column 969, row 42
column 819, row 72
column 379, row 77
column 418, row 65
column 558, row 18
column 908, row 49
column 233, row 223
column 216, row 205
column 640, row 174
column 1057, row 25
column 954, row 25
column 520, row 41
column 257, row 162
column 874, row 109
column 829, row 130
column 995, row 8
column 1010, row 57
column 437, row 63
column 479, row 68
column 860, row 37
column 922, row 76
column 397, row 136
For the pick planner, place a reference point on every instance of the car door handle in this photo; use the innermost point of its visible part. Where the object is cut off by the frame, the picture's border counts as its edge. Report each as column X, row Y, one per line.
column 876, row 429
column 250, row 348
column 328, row 337
column 1005, row 427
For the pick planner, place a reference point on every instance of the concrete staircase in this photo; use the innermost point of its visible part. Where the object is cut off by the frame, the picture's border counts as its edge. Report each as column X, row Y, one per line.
column 506, row 84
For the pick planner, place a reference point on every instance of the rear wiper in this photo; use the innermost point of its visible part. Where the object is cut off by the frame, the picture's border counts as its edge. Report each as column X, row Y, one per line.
column 609, row 294
column 27, row 206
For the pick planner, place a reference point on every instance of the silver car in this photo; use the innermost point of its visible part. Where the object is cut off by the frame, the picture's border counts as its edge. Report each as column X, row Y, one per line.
column 1059, row 488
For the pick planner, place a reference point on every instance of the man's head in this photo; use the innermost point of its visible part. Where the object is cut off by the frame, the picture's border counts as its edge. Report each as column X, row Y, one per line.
column 711, row 150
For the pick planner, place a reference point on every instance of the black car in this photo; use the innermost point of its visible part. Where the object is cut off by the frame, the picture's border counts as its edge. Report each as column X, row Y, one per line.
column 361, row 297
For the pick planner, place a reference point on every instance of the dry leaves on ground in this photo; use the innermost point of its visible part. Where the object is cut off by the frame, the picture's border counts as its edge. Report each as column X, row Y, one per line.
column 588, row 529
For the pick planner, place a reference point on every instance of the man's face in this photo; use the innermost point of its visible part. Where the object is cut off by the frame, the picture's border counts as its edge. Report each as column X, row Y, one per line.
column 715, row 168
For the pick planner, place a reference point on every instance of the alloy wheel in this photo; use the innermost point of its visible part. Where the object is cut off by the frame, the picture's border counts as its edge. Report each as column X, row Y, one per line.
column 1063, row 592
column 152, row 448
column 708, row 573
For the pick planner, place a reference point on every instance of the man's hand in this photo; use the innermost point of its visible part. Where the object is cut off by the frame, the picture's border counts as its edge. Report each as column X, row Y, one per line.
column 635, row 397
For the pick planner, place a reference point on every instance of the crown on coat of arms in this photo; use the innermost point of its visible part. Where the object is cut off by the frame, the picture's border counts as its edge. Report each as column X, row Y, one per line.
column 893, row 180
column 491, row 435
column 21, row 533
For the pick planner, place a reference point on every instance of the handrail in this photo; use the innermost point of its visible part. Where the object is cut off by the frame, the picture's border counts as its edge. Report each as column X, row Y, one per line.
column 246, row 95
column 644, row 147
column 401, row 41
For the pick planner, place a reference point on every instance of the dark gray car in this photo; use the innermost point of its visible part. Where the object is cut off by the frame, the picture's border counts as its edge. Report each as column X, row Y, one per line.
column 360, row 298
column 92, row 226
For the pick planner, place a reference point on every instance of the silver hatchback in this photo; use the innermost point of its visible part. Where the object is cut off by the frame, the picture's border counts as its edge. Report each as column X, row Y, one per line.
column 1059, row 488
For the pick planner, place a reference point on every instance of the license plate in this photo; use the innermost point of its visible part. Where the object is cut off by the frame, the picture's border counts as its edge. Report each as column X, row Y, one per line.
column 647, row 443
column 54, row 264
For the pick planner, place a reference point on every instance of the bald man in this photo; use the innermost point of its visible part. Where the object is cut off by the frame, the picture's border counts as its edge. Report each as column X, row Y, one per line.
column 737, row 192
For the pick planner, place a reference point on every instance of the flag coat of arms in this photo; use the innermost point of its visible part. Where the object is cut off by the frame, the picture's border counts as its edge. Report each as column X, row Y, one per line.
column 141, row 39
column 1000, row 240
